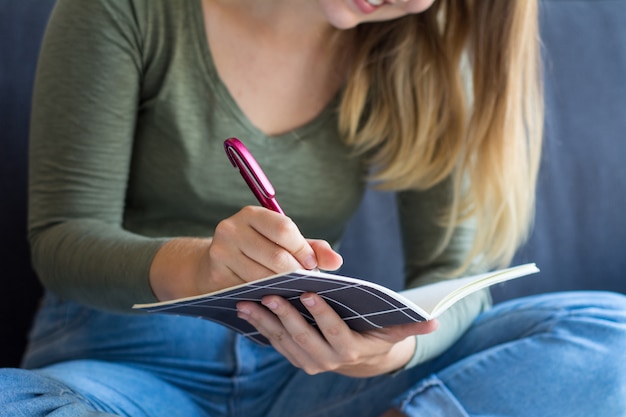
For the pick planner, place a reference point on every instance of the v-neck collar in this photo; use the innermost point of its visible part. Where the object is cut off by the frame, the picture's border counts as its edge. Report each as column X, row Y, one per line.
column 226, row 98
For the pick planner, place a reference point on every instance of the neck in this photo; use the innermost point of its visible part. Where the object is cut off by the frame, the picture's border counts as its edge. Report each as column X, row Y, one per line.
column 300, row 20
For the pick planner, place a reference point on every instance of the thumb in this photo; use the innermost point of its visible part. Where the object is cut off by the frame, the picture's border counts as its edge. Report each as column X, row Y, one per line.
column 327, row 258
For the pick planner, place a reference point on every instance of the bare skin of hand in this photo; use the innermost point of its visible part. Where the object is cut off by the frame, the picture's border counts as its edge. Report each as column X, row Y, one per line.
column 252, row 244
column 334, row 347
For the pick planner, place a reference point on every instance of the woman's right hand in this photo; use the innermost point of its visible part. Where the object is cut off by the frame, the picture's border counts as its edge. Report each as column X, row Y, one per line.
column 252, row 244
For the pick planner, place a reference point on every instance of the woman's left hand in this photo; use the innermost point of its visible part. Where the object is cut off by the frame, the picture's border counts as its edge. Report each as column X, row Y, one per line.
column 334, row 347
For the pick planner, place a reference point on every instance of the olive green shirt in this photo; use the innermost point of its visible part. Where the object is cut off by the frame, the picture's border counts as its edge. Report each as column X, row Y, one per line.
column 128, row 123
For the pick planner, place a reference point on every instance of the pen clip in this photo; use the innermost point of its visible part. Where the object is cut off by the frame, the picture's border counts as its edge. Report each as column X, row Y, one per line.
column 252, row 173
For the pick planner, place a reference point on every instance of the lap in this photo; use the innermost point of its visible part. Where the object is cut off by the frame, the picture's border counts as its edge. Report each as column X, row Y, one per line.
column 536, row 350
column 545, row 313
column 557, row 353
column 549, row 355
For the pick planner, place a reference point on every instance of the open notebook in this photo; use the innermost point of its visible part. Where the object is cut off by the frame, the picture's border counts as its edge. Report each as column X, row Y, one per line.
column 363, row 305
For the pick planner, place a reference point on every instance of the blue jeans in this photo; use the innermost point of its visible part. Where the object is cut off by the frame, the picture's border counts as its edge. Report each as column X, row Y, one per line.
column 551, row 355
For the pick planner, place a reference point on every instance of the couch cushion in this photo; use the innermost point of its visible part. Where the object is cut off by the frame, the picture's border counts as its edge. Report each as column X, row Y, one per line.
column 22, row 24
column 579, row 238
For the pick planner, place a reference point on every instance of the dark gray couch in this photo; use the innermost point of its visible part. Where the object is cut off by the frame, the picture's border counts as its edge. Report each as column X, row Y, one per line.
column 579, row 238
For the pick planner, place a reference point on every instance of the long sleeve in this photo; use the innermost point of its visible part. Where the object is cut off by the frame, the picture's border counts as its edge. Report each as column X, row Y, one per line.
column 128, row 123
column 83, row 121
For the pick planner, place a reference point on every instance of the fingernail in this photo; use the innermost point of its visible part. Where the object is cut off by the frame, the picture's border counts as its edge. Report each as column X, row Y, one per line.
column 243, row 313
column 310, row 262
column 272, row 305
column 308, row 301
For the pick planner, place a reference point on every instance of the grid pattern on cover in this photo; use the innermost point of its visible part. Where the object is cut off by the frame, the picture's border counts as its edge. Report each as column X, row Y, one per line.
column 362, row 307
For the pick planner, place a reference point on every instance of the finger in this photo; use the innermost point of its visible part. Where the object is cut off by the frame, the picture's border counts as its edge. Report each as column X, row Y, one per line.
column 269, row 325
column 272, row 255
column 306, row 336
column 281, row 230
column 308, row 346
column 327, row 258
column 400, row 332
column 229, row 259
column 239, row 248
column 335, row 331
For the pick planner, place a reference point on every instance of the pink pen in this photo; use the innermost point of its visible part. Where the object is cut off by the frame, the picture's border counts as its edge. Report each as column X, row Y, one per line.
column 252, row 173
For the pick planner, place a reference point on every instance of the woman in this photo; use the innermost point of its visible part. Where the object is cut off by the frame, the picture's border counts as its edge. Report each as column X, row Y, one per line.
column 132, row 200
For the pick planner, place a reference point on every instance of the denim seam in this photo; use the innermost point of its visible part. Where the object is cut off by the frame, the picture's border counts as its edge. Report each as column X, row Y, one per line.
column 66, row 389
column 416, row 391
column 429, row 383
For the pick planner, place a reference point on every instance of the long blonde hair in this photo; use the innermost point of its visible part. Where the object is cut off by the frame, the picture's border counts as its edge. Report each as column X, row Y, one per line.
column 406, row 104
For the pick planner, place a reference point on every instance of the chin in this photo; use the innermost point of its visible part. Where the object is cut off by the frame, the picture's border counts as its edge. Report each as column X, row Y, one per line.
column 339, row 14
column 343, row 24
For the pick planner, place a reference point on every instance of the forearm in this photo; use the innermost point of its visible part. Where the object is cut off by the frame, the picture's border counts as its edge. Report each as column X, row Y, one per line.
column 453, row 323
column 176, row 267
column 94, row 263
